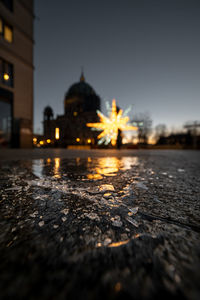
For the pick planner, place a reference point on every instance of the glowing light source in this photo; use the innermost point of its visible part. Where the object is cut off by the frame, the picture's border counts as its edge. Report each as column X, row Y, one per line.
column 6, row 76
column 78, row 140
column 48, row 141
column 41, row 142
column 57, row 133
column 34, row 140
column 75, row 113
column 111, row 125
column 89, row 141
column 48, row 161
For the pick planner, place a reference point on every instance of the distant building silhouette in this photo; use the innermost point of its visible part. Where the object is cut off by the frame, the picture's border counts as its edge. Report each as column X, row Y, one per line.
column 16, row 73
column 80, row 105
column 184, row 140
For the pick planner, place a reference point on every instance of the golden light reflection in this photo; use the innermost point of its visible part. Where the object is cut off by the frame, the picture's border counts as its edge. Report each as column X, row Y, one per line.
column 48, row 161
column 112, row 124
column 57, row 167
column 57, row 133
column 117, row 244
column 118, row 287
column 78, row 161
column 107, row 166
column 94, row 176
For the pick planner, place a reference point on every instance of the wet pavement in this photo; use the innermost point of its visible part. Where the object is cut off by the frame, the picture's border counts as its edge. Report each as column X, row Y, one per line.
column 99, row 224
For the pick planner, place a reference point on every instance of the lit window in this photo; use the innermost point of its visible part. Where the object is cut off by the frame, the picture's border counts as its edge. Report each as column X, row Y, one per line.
column 6, row 31
column 57, row 133
column 6, row 73
column 8, row 34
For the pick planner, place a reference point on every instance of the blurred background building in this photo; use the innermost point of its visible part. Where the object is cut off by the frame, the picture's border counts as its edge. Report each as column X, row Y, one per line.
column 16, row 73
column 80, row 105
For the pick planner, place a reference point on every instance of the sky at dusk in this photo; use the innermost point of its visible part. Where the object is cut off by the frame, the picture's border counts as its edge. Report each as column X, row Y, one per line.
column 145, row 53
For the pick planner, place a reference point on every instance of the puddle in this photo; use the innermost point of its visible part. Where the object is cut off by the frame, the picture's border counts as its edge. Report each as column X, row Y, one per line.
column 81, row 169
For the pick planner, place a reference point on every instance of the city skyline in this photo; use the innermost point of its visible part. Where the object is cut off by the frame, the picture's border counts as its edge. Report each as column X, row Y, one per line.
column 144, row 53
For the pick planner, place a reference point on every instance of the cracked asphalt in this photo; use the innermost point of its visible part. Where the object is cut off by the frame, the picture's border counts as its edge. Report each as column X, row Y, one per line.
column 99, row 224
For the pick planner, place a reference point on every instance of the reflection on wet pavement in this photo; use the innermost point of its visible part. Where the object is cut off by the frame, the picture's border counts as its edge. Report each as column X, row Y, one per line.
column 94, row 169
column 89, row 204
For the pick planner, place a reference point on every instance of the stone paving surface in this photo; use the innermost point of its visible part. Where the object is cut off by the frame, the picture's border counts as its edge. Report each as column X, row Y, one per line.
column 99, row 224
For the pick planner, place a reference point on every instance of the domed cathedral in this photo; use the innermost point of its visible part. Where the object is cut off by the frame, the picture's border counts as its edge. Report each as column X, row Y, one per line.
column 80, row 105
column 81, row 98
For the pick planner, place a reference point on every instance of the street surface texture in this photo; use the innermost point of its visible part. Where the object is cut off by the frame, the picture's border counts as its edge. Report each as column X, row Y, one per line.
column 99, row 224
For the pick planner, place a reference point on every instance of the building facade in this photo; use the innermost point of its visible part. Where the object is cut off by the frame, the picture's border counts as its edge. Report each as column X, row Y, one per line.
column 80, row 105
column 16, row 73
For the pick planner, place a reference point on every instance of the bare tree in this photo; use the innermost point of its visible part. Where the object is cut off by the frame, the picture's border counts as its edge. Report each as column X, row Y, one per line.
column 144, row 123
column 160, row 131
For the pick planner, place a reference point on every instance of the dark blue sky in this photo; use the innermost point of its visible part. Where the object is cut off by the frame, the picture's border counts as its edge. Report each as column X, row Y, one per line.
column 145, row 53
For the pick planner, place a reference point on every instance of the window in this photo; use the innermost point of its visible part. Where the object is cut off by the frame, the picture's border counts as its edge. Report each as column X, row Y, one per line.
column 8, row 34
column 6, row 73
column 6, row 31
column 8, row 4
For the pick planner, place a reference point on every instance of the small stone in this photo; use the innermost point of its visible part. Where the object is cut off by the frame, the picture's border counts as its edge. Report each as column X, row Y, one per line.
column 55, row 226
column 134, row 210
column 65, row 211
column 41, row 223
column 107, row 195
column 64, row 219
column 107, row 241
column 93, row 216
column 181, row 170
column 106, row 187
column 33, row 215
column 141, row 185
column 116, row 221
column 132, row 221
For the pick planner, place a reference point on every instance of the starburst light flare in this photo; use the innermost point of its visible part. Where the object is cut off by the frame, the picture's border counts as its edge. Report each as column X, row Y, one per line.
column 110, row 125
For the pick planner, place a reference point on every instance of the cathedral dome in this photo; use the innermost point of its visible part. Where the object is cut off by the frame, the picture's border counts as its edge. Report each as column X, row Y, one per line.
column 80, row 88
column 81, row 97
